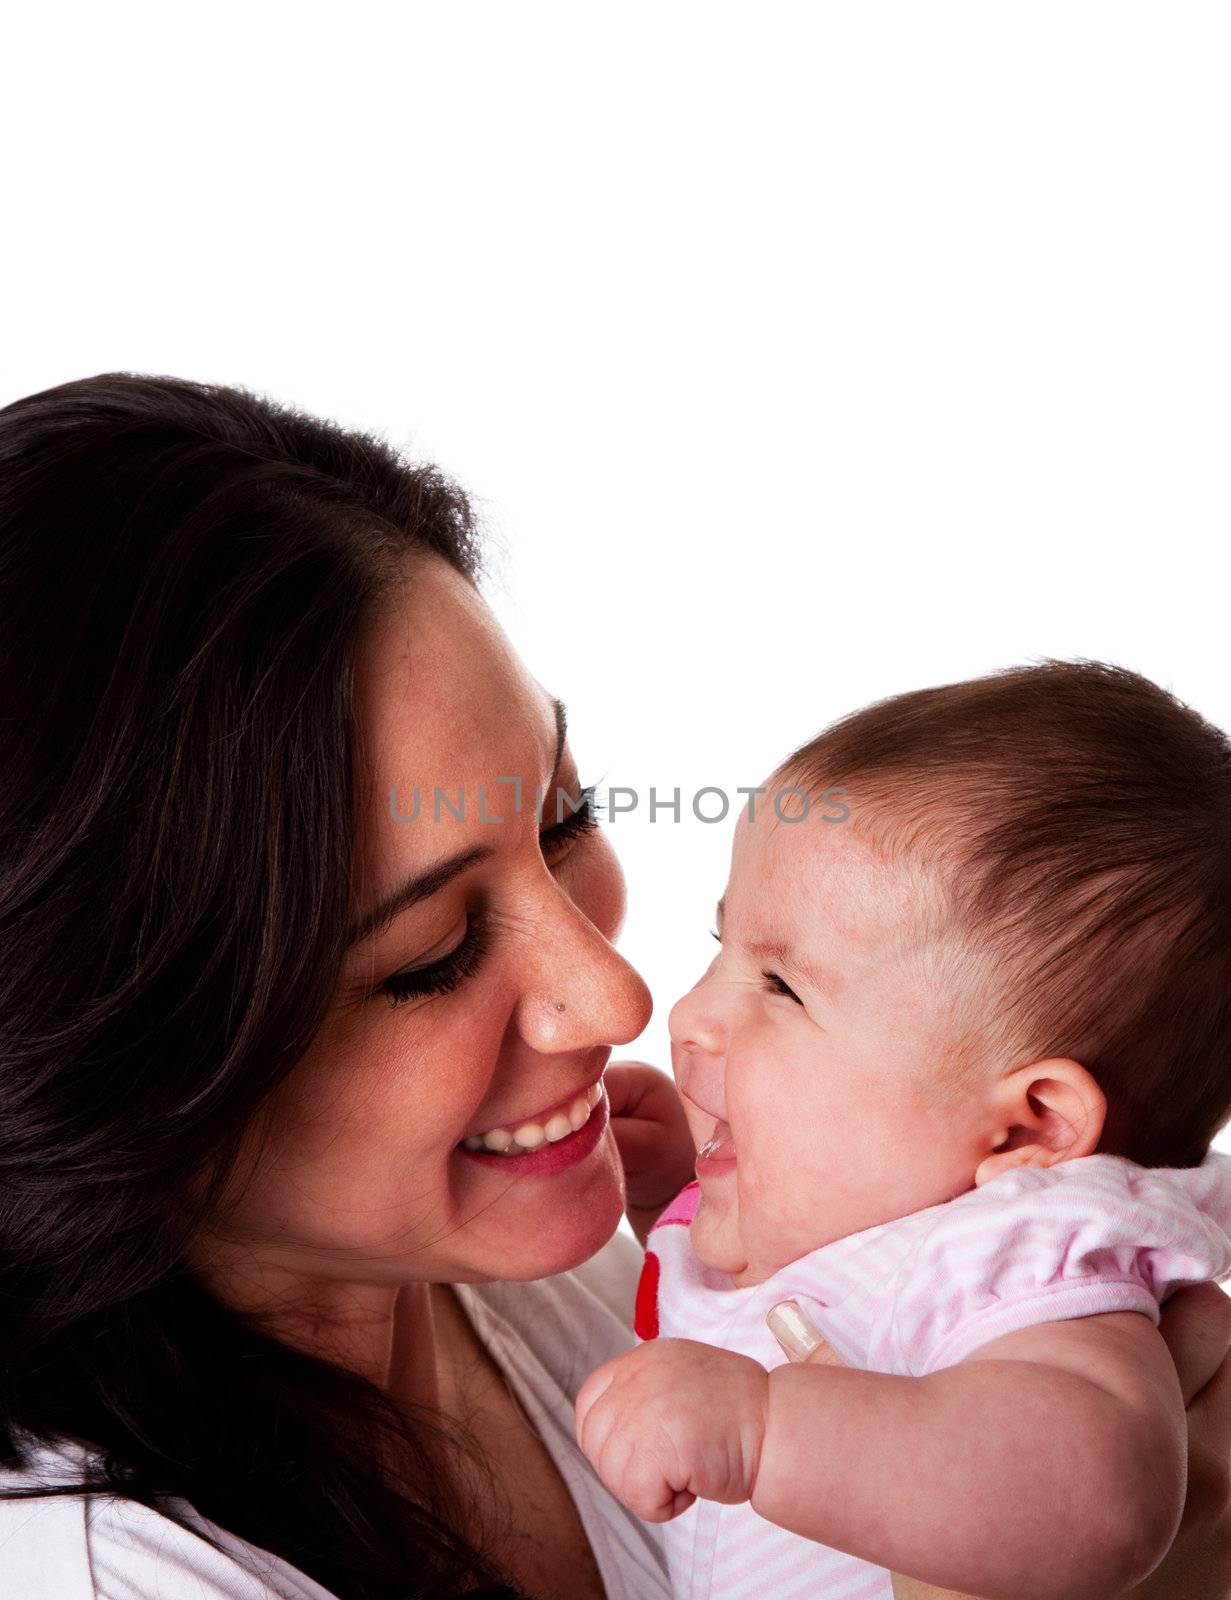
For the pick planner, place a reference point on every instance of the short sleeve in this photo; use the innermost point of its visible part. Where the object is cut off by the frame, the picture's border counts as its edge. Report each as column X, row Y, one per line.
column 138, row 1554
column 1086, row 1237
column 107, row 1547
column 68, row 1547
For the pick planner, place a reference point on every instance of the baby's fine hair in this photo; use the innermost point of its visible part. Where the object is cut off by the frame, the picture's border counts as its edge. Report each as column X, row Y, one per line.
column 1074, row 820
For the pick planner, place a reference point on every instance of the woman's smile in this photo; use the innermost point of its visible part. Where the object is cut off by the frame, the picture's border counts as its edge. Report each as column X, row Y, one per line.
column 533, row 1151
column 523, row 1134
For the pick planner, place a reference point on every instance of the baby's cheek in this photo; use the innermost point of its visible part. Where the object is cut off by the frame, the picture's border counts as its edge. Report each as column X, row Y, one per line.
column 778, row 1119
column 777, row 1223
column 794, row 1193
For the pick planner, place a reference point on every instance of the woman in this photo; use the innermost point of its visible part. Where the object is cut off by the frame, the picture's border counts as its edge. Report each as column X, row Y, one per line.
column 270, row 1019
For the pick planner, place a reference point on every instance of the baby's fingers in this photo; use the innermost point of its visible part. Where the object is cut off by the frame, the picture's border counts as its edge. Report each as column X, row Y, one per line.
column 630, row 1461
column 619, row 1437
column 591, row 1391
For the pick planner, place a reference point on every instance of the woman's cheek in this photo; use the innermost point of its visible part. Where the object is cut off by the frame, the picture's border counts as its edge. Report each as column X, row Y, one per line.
column 597, row 886
column 447, row 1075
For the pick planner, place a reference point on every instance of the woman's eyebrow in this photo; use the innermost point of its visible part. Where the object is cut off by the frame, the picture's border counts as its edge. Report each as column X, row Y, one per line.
column 426, row 883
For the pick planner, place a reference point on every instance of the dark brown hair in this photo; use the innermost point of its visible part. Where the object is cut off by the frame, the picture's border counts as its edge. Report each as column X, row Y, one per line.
column 1075, row 821
column 185, row 573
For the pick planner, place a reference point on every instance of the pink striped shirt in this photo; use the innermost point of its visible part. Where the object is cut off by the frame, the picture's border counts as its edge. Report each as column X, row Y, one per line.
column 1034, row 1245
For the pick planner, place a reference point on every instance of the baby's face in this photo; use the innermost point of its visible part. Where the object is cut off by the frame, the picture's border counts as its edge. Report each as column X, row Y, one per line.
column 812, row 1054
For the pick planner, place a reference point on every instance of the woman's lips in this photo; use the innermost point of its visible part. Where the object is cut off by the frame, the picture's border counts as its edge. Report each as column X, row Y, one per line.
column 717, row 1155
column 522, row 1134
column 550, row 1158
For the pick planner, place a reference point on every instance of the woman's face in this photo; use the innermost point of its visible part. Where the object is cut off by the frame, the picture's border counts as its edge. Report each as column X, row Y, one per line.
column 362, row 1168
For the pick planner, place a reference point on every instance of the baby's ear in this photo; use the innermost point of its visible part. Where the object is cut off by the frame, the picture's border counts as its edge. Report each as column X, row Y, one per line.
column 1045, row 1112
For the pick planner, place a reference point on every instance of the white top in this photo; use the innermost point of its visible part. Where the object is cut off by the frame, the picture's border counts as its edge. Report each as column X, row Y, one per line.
column 546, row 1336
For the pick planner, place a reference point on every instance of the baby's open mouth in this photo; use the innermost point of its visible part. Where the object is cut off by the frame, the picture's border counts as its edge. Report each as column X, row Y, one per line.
column 518, row 1139
column 720, row 1146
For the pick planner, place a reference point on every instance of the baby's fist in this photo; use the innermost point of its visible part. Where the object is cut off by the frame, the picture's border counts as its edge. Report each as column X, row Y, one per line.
column 674, row 1421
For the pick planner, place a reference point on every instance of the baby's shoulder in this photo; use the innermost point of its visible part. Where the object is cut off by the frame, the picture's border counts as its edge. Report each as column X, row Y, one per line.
column 1099, row 1233
column 1102, row 1198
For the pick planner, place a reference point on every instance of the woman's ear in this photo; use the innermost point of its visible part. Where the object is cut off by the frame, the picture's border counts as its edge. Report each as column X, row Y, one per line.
column 1046, row 1112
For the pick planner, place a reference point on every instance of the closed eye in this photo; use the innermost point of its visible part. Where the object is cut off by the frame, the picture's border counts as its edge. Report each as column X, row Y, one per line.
column 444, row 975
column 581, row 821
column 776, row 986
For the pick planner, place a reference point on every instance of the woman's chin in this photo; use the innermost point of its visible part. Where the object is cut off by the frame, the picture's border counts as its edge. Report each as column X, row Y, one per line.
column 566, row 1243
column 556, row 1223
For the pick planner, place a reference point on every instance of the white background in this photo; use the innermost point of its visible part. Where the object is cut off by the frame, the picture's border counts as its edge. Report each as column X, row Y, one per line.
column 798, row 353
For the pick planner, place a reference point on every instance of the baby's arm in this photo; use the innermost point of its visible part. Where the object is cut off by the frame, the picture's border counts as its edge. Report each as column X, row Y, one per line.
column 1049, row 1463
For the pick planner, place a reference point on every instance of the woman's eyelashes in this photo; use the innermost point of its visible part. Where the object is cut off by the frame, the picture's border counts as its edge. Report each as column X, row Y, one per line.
column 581, row 821
column 438, row 977
column 463, row 961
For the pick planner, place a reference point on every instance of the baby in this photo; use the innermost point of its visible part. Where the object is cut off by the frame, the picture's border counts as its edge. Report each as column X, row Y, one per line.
column 953, row 1077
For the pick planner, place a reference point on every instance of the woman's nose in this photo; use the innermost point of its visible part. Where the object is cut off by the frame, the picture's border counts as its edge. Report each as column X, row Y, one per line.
column 582, row 992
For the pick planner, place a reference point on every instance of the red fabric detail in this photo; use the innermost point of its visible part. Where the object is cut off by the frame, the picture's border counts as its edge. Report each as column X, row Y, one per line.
column 645, row 1311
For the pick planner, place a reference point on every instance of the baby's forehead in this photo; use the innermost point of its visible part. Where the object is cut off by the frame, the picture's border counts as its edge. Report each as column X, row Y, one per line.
column 811, row 871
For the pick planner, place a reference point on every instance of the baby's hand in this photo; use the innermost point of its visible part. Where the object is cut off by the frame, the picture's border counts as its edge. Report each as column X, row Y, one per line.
column 651, row 1132
column 674, row 1421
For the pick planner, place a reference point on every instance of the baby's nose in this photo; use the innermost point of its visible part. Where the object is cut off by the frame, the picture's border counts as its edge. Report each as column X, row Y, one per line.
column 693, row 1023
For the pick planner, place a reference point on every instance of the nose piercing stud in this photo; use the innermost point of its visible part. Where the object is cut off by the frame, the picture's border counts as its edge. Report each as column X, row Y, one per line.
column 559, row 1005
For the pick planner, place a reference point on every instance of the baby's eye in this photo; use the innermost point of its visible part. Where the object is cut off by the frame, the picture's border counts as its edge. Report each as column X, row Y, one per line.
column 776, row 986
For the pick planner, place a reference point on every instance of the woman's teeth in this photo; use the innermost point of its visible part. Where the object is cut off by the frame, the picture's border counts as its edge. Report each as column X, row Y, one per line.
column 527, row 1136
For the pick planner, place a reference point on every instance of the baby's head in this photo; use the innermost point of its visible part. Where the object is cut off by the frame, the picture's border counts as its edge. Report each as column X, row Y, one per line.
column 1006, row 941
